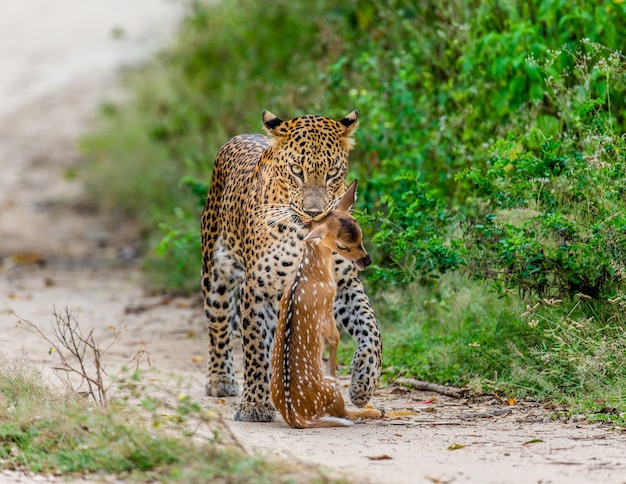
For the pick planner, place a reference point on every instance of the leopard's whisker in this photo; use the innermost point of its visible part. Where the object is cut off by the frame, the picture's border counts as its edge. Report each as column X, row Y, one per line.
column 272, row 217
column 268, row 207
column 267, row 223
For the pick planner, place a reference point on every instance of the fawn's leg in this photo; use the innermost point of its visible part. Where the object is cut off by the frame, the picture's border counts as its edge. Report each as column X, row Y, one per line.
column 365, row 413
column 337, row 408
column 333, row 342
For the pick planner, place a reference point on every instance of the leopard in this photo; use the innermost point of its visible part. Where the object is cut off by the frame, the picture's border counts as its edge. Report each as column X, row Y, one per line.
column 265, row 191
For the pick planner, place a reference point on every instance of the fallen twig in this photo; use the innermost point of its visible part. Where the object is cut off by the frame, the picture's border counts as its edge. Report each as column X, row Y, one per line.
column 422, row 422
column 432, row 387
column 492, row 413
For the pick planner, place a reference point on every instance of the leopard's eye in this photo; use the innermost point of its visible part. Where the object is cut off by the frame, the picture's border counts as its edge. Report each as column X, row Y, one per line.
column 331, row 173
column 296, row 170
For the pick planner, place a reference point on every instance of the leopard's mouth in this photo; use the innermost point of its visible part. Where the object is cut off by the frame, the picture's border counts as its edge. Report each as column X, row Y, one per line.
column 302, row 221
column 306, row 219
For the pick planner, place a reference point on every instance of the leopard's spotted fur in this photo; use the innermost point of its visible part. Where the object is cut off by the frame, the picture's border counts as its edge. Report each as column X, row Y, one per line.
column 264, row 193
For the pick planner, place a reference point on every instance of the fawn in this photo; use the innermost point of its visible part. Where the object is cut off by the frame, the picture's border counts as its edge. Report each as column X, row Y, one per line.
column 300, row 390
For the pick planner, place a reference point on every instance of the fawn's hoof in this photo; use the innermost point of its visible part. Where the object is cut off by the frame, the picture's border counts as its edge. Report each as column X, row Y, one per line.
column 248, row 412
column 365, row 374
column 221, row 388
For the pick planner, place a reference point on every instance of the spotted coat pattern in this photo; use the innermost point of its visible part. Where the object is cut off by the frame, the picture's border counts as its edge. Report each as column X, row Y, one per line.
column 300, row 390
column 265, row 191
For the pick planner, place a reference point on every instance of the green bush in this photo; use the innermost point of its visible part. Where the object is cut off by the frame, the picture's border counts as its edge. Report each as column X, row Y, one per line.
column 411, row 231
column 438, row 85
column 550, row 214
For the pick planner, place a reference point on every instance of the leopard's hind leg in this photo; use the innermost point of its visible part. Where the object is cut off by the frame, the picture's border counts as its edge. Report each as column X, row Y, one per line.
column 219, row 280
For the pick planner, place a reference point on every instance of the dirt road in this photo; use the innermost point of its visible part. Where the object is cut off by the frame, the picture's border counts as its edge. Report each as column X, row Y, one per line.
column 59, row 60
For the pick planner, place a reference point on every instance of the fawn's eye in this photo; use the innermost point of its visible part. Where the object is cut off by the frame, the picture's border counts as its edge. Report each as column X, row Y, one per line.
column 342, row 247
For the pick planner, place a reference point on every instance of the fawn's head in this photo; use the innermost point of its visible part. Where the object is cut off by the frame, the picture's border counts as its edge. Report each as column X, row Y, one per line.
column 341, row 233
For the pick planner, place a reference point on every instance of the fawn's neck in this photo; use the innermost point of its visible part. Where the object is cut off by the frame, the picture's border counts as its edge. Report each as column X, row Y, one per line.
column 315, row 265
column 313, row 290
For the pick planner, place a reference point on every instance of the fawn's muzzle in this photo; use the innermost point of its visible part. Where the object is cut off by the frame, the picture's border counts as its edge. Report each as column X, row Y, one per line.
column 362, row 263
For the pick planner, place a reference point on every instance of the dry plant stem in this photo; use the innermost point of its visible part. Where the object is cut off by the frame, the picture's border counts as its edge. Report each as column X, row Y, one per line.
column 432, row 387
column 68, row 336
column 68, row 332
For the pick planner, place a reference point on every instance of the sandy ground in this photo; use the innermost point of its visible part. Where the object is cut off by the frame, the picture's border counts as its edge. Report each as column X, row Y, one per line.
column 59, row 60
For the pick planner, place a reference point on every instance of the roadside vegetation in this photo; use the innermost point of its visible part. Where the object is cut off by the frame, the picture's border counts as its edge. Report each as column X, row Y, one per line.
column 144, row 433
column 491, row 161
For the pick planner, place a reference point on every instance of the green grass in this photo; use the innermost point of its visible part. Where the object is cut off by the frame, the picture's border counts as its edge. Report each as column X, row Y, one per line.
column 466, row 334
column 46, row 432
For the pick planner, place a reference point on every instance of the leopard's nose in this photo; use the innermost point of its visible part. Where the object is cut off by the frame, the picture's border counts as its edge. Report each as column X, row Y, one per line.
column 313, row 213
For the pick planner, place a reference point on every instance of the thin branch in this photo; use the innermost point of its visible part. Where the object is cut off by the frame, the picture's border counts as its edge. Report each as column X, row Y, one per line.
column 432, row 387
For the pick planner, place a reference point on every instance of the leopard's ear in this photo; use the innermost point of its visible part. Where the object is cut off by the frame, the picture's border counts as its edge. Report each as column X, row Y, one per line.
column 346, row 202
column 272, row 124
column 351, row 121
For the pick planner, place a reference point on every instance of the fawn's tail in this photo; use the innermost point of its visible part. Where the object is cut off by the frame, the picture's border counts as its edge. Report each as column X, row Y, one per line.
column 298, row 421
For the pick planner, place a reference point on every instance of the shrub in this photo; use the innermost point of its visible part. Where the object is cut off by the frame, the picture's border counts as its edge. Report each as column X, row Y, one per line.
column 551, row 212
column 411, row 231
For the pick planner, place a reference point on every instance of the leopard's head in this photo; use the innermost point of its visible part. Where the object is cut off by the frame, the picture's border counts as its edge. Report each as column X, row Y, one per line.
column 310, row 158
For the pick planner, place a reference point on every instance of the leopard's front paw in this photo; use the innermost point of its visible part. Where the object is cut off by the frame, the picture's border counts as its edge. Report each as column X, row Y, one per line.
column 365, row 375
column 223, row 387
column 249, row 412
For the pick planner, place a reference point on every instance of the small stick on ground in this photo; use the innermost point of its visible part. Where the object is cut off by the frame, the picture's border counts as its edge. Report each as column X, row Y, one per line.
column 432, row 387
column 499, row 412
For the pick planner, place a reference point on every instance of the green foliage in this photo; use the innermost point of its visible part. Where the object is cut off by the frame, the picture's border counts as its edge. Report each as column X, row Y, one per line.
column 435, row 80
column 439, row 84
column 412, row 233
column 549, row 215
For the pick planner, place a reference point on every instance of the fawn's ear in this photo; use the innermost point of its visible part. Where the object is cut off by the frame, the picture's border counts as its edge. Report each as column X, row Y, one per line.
column 315, row 234
column 346, row 202
column 273, row 124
